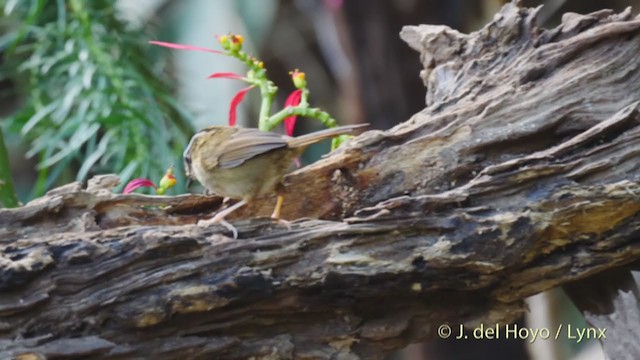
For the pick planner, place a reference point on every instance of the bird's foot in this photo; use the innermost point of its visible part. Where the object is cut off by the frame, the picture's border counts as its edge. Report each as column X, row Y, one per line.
column 282, row 222
column 219, row 220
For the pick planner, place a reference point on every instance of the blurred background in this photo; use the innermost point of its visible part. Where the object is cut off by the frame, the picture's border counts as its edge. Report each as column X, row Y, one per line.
column 82, row 93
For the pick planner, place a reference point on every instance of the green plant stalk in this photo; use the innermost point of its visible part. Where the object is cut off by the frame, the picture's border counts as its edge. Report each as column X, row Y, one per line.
column 268, row 89
column 268, row 92
column 314, row 113
column 8, row 196
column 265, row 109
column 251, row 62
column 304, row 98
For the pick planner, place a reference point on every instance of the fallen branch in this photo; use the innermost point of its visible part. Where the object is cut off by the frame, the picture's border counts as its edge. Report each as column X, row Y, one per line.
column 520, row 175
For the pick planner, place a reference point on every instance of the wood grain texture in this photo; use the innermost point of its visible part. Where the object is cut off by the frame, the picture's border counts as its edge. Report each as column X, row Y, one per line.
column 521, row 174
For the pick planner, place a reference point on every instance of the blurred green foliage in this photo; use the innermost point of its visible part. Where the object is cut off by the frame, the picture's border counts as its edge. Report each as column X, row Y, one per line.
column 8, row 196
column 93, row 100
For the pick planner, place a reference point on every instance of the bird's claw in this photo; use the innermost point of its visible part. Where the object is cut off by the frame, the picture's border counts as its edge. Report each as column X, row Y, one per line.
column 282, row 222
column 220, row 221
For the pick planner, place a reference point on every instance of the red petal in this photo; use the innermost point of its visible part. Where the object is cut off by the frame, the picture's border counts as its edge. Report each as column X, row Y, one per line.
column 226, row 75
column 234, row 104
column 292, row 100
column 138, row 183
column 184, row 47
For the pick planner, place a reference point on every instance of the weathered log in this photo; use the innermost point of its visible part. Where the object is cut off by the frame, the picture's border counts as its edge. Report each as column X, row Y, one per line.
column 520, row 175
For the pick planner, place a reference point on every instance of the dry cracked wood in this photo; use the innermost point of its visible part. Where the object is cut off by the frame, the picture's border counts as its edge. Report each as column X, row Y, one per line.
column 520, row 174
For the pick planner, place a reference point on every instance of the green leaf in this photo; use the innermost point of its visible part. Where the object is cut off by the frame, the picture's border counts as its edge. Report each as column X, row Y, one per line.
column 63, row 110
column 41, row 114
column 78, row 139
column 9, row 7
column 94, row 156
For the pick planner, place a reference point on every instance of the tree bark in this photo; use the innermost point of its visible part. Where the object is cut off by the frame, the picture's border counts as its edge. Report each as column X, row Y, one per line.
column 521, row 174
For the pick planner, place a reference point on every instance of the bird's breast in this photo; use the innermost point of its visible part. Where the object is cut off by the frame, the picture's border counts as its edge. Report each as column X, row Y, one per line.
column 254, row 178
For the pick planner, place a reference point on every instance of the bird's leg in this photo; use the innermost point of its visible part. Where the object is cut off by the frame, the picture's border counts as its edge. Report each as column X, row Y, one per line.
column 219, row 218
column 278, row 208
column 276, row 213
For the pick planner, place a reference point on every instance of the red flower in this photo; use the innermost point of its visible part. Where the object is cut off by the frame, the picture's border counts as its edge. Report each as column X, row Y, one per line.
column 298, row 78
column 290, row 121
column 167, row 182
column 232, row 42
column 184, row 47
column 237, row 98
column 138, row 183
column 234, row 104
column 226, row 75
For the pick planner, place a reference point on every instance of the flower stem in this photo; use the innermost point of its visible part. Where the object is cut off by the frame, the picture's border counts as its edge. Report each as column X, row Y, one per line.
column 304, row 98
column 315, row 113
column 268, row 89
column 257, row 75
column 265, row 110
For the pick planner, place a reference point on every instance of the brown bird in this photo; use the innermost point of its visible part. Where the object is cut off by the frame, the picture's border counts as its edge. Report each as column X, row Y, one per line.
column 246, row 163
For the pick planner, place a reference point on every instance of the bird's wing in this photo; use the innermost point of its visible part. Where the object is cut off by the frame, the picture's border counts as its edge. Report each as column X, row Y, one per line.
column 247, row 143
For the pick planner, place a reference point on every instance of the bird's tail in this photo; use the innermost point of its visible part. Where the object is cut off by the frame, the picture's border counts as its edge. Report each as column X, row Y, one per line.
column 314, row 137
